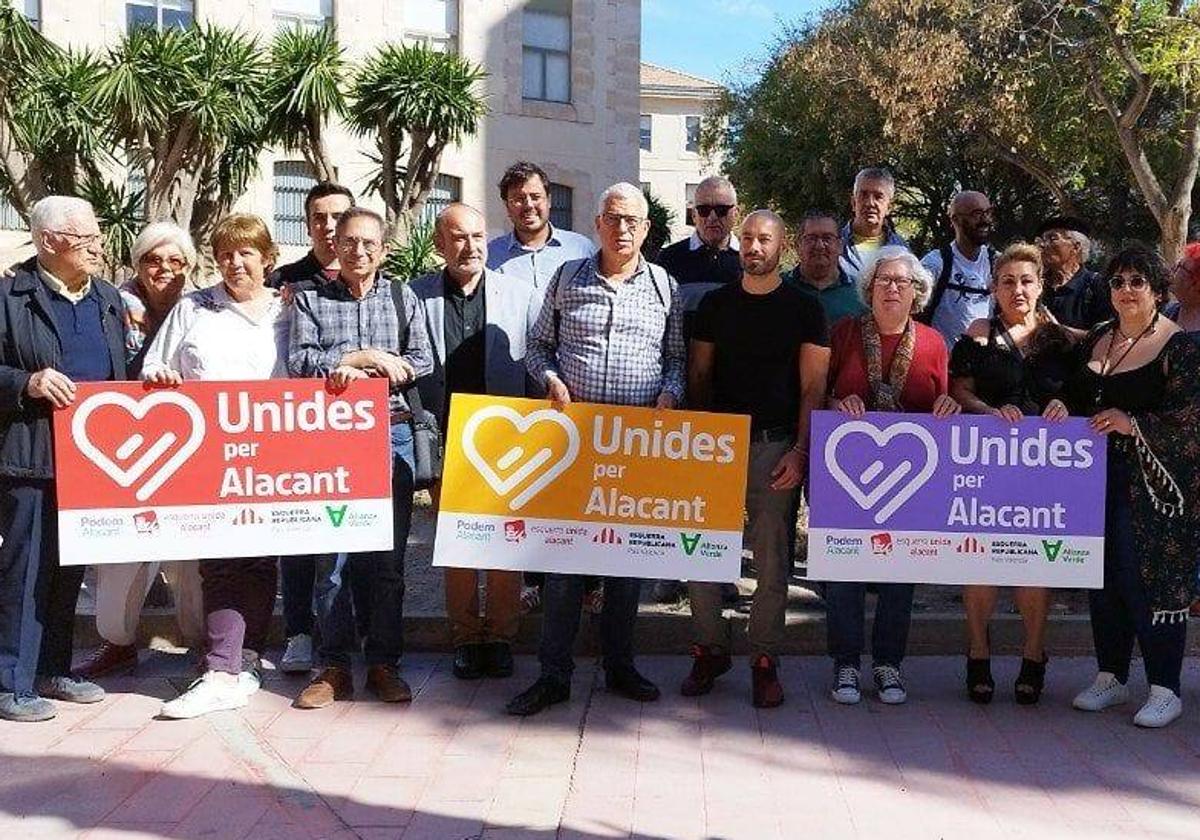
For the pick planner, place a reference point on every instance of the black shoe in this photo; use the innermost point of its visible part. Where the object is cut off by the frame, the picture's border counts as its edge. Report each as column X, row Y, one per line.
column 497, row 660
column 540, row 696
column 632, row 685
column 468, row 662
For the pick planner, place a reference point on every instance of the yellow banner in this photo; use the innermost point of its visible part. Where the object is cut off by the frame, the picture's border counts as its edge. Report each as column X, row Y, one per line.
column 595, row 463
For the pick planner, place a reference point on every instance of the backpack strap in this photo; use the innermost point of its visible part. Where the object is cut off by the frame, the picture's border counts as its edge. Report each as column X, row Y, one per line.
column 411, row 394
column 556, row 294
column 939, row 287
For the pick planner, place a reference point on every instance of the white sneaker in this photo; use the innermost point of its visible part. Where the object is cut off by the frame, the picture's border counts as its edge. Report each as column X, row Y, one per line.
column 298, row 655
column 1162, row 706
column 890, row 686
column 214, row 692
column 249, row 682
column 1104, row 692
column 845, row 686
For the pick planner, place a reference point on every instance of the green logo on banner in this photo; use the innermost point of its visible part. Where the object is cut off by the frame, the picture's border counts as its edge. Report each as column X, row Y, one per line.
column 1052, row 548
column 689, row 543
column 336, row 514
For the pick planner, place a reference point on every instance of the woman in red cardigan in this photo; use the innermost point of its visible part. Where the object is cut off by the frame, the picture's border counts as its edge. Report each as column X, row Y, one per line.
column 882, row 361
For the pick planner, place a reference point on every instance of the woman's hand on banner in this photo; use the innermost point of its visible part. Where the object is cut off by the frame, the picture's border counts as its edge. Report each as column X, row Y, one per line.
column 851, row 405
column 164, row 378
column 1056, row 410
column 945, row 406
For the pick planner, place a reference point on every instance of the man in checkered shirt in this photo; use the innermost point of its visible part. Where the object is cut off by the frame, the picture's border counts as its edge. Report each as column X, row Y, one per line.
column 610, row 331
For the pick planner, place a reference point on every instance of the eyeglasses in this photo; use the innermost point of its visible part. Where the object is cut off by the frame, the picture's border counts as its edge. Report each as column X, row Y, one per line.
column 1050, row 237
column 78, row 240
column 829, row 239
column 176, row 264
column 352, row 243
column 616, row 220
column 979, row 214
column 706, row 210
column 900, row 283
column 1118, row 282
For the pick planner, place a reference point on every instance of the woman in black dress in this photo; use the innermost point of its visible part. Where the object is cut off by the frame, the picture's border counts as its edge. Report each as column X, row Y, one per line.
column 1011, row 365
column 1139, row 380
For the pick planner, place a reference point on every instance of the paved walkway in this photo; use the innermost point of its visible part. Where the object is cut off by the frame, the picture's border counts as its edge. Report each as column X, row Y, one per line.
column 451, row 765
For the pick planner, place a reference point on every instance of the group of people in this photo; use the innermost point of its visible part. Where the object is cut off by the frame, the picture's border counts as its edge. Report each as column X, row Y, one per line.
column 860, row 324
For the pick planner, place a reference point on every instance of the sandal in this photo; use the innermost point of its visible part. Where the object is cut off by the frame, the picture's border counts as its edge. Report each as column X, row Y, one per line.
column 1031, row 680
column 980, row 685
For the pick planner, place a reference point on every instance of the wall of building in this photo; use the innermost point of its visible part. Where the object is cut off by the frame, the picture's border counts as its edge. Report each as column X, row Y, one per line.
column 668, row 167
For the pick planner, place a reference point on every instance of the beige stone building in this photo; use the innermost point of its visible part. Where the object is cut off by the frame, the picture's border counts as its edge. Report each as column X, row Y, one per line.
column 674, row 105
column 561, row 89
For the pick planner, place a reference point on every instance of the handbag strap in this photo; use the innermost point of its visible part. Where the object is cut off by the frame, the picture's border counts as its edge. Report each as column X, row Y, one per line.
column 410, row 392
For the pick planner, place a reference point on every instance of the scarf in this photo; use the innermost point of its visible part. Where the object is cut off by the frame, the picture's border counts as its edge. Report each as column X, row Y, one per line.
column 885, row 395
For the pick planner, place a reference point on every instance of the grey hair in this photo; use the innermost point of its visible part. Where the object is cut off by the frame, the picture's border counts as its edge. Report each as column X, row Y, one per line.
column 53, row 211
column 624, row 190
column 163, row 233
column 922, row 280
column 1082, row 243
column 875, row 173
column 717, row 182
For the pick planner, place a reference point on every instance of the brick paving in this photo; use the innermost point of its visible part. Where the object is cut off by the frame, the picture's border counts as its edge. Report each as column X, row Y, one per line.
column 452, row 765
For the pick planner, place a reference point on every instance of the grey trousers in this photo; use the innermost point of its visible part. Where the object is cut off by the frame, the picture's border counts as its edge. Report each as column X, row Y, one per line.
column 769, row 521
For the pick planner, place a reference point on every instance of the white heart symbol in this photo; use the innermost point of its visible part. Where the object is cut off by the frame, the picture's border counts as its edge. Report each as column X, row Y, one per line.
column 867, row 501
column 139, row 408
column 523, row 423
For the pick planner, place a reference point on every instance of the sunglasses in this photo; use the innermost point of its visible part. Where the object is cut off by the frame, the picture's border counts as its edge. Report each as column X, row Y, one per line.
column 706, row 210
column 1137, row 281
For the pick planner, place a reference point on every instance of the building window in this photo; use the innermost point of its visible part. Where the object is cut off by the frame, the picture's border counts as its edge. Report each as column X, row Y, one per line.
column 693, row 134
column 646, row 132
column 308, row 14
column 546, row 69
column 160, row 14
column 447, row 190
column 10, row 219
column 32, row 10
column 433, row 23
column 562, row 209
column 293, row 180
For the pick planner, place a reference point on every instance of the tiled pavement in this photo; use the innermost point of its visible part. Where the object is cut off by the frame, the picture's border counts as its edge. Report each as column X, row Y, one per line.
column 451, row 765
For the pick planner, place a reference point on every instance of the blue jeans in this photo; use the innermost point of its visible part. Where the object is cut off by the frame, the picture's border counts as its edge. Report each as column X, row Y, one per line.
column 846, row 609
column 562, row 601
column 381, row 572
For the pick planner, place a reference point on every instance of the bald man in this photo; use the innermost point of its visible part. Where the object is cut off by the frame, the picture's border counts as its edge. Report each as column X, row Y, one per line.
column 477, row 326
column 760, row 347
column 962, row 269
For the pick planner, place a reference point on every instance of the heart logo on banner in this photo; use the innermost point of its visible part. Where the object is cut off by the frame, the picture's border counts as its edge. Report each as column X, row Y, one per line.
column 134, row 458
column 527, row 464
column 871, row 487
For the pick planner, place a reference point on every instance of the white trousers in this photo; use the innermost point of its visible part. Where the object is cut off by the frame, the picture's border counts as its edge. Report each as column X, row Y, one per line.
column 121, row 590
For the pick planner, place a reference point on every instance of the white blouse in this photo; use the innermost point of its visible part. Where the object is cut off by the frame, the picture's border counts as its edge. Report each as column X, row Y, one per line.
column 208, row 335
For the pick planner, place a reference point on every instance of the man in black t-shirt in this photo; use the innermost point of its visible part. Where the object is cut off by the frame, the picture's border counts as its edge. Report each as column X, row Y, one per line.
column 761, row 348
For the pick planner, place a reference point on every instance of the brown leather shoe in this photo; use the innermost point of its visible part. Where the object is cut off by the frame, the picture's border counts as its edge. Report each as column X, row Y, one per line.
column 385, row 682
column 708, row 663
column 766, row 690
column 331, row 684
column 107, row 659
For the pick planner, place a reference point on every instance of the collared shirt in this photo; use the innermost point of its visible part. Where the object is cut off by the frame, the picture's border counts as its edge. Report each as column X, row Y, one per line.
column 853, row 258
column 60, row 288
column 328, row 322
column 839, row 300
column 464, row 318
column 695, row 243
column 616, row 343
column 209, row 336
column 1082, row 302
column 537, row 265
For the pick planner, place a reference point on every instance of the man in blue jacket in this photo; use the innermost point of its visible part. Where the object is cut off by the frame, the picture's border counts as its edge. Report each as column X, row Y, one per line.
column 59, row 325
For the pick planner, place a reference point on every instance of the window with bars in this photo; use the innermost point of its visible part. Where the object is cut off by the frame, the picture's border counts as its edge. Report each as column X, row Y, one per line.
column 562, row 206
column 546, row 60
column 433, row 23
column 447, row 189
column 646, row 132
column 293, row 180
column 309, row 14
column 32, row 10
column 692, row 125
column 10, row 219
column 160, row 14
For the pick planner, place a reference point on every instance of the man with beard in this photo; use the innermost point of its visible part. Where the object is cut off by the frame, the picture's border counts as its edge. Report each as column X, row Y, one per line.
column 963, row 268
column 761, row 347
column 870, row 227
column 1077, row 296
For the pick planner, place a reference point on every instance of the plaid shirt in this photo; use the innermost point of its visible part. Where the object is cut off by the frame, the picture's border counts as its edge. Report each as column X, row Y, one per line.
column 616, row 344
column 328, row 322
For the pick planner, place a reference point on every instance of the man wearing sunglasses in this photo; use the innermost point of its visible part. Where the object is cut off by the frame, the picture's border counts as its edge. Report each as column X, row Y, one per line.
column 1076, row 295
column 709, row 257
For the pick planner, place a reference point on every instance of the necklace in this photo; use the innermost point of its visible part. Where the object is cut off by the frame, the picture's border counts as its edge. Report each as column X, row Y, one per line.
column 1106, row 368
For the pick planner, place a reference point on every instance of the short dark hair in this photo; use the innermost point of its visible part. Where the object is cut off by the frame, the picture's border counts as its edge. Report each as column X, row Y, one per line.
column 519, row 173
column 362, row 213
column 814, row 213
column 1144, row 261
column 323, row 189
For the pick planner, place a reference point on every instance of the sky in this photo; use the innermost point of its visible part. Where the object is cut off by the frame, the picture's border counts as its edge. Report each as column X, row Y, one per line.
column 721, row 40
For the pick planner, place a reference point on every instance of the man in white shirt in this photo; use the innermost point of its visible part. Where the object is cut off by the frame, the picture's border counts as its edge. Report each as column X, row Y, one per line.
column 962, row 269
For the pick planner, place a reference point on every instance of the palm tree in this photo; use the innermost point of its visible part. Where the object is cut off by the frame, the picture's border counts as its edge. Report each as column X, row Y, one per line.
column 307, row 68
column 410, row 92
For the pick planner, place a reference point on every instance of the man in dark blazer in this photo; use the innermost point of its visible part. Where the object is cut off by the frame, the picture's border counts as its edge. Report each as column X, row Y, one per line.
column 59, row 324
column 477, row 321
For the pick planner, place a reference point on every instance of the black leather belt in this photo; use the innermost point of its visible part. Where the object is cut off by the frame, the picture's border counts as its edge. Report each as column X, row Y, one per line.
column 397, row 417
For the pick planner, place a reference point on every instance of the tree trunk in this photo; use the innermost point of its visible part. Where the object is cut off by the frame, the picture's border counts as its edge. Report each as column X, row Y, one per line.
column 388, row 154
column 316, row 151
column 1174, row 227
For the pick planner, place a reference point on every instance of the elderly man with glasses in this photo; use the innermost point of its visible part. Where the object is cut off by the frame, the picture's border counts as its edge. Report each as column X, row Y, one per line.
column 60, row 325
column 1077, row 296
column 709, row 257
